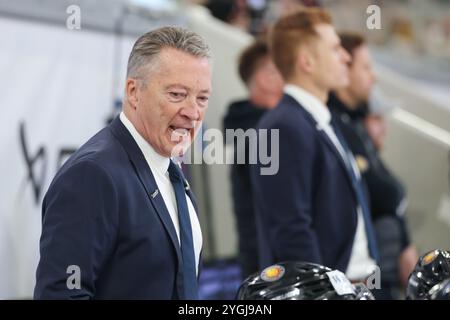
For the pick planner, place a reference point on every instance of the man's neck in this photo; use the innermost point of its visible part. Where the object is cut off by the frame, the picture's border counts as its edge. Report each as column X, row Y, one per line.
column 312, row 88
column 134, row 122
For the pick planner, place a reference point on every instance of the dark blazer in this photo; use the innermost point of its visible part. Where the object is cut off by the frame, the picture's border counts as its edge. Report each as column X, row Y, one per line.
column 307, row 211
column 386, row 192
column 99, row 214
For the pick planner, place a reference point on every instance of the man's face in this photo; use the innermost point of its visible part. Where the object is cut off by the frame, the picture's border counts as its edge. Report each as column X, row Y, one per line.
column 329, row 68
column 269, row 78
column 361, row 74
column 172, row 104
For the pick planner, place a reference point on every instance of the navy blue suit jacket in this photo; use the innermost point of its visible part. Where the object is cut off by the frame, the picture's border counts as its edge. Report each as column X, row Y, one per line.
column 307, row 211
column 99, row 215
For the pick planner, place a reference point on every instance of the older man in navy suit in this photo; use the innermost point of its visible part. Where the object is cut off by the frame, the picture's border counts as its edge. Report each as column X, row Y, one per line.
column 119, row 220
column 314, row 208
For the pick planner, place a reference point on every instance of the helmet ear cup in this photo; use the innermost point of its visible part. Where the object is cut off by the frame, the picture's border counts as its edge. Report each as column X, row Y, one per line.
column 432, row 269
column 440, row 291
column 295, row 281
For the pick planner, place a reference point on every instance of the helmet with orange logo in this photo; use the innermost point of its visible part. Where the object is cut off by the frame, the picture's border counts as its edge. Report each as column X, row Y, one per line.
column 430, row 274
column 301, row 281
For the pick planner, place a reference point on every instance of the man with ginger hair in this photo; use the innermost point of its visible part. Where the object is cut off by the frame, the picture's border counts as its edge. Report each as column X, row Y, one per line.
column 315, row 208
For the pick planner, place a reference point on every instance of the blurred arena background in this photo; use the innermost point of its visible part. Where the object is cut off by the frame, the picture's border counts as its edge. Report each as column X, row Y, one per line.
column 60, row 84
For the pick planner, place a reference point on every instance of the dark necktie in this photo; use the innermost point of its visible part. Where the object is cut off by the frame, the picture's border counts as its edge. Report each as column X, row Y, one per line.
column 186, row 240
column 360, row 195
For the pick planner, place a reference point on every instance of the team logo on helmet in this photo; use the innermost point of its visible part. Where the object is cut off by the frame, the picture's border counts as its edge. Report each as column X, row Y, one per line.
column 429, row 257
column 272, row 273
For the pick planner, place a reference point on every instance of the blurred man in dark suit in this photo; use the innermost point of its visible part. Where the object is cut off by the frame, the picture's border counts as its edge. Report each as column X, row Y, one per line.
column 314, row 209
column 349, row 106
column 119, row 221
column 265, row 87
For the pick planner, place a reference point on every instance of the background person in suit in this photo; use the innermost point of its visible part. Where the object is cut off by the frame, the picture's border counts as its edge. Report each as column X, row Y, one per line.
column 117, row 215
column 314, row 209
column 265, row 87
column 349, row 106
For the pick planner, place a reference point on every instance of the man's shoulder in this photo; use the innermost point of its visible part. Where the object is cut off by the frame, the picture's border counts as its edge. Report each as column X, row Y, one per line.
column 102, row 150
column 288, row 114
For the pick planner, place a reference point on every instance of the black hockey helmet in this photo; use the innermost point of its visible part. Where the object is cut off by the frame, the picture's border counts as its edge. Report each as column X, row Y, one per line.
column 300, row 281
column 433, row 268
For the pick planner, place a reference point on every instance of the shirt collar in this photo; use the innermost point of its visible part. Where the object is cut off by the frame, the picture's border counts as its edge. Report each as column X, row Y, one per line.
column 310, row 103
column 154, row 159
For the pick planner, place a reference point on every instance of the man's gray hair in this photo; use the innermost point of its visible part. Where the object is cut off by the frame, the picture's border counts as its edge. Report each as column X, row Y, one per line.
column 149, row 45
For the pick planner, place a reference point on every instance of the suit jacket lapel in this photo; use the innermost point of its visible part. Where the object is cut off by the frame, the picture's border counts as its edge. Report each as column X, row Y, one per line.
column 146, row 177
column 331, row 145
column 325, row 138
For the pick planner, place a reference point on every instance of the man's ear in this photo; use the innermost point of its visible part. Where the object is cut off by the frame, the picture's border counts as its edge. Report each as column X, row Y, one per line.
column 131, row 91
column 305, row 60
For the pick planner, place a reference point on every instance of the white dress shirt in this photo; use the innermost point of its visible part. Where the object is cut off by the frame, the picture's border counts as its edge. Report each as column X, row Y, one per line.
column 159, row 166
column 361, row 264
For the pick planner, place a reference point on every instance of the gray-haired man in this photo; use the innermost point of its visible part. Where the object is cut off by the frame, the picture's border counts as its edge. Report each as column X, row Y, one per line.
column 118, row 219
